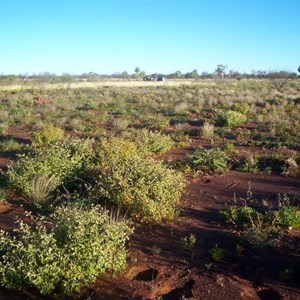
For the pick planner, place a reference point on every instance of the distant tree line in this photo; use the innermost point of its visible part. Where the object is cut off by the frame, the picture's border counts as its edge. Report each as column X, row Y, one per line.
column 221, row 72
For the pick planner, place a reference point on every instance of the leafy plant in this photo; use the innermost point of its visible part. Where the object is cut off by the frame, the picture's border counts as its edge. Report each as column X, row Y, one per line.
column 10, row 144
column 114, row 149
column 287, row 217
column 47, row 134
column 187, row 243
column 248, row 163
column 243, row 216
column 216, row 253
column 242, row 108
column 78, row 247
column 64, row 161
column 230, row 119
column 228, row 148
column 148, row 141
column 147, row 188
column 209, row 160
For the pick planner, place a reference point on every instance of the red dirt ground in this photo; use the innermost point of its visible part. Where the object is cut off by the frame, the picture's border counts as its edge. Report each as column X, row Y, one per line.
column 158, row 269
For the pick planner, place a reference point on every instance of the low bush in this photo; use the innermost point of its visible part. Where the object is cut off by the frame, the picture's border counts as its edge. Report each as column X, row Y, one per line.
column 287, row 216
column 216, row 253
column 230, row 119
column 242, row 108
column 242, row 216
column 145, row 187
column 47, row 134
column 78, row 247
column 64, row 161
column 114, row 149
column 10, row 145
column 148, row 141
column 248, row 163
column 209, row 160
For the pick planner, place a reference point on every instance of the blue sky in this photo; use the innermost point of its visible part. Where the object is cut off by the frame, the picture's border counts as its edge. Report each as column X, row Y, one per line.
column 155, row 35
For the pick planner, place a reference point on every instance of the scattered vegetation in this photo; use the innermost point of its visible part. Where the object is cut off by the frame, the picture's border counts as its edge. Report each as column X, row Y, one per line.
column 263, row 228
column 99, row 146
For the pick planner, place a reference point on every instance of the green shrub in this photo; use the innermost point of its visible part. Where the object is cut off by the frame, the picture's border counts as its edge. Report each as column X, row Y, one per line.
column 47, row 134
column 3, row 128
column 148, row 141
column 209, row 160
column 145, row 187
column 79, row 247
column 187, row 244
column 216, row 253
column 242, row 108
column 114, row 149
column 64, row 161
column 242, row 216
column 248, row 163
column 287, row 216
column 230, row 118
column 181, row 139
column 10, row 144
column 228, row 148
column 157, row 122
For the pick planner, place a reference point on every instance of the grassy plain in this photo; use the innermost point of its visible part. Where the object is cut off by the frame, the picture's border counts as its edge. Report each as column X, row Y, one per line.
column 107, row 83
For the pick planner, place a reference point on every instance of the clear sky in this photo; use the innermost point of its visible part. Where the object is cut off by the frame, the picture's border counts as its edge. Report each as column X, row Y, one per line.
column 155, row 35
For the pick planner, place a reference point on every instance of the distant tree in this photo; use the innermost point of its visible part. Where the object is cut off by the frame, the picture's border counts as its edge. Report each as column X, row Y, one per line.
column 142, row 74
column 193, row 74
column 137, row 71
column 124, row 74
column 221, row 70
column 259, row 74
column 66, row 78
column 299, row 69
column 235, row 74
column 178, row 74
column 92, row 77
column 207, row 75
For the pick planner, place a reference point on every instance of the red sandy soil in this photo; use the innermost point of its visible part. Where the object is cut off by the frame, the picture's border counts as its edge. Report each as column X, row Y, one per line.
column 157, row 267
